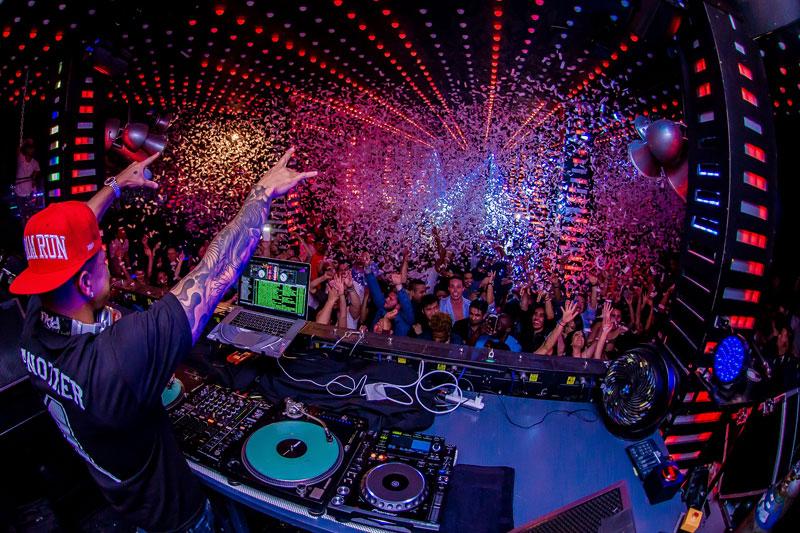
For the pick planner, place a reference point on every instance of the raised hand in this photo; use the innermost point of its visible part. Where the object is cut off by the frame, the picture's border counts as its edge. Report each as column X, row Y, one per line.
column 347, row 279
column 569, row 311
column 132, row 177
column 607, row 324
column 336, row 286
column 280, row 179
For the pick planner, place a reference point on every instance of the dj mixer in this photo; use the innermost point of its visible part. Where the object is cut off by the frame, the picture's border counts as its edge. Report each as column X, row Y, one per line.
column 317, row 458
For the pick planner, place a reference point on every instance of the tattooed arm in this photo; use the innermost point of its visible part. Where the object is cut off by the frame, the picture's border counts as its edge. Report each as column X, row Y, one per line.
column 202, row 289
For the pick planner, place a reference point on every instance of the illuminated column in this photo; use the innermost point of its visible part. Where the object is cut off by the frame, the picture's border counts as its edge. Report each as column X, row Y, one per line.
column 75, row 156
column 730, row 219
column 576, row 187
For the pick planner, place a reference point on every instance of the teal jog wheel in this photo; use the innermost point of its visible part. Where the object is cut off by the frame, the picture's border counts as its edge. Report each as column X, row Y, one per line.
column 291, row 453
column 172, row 393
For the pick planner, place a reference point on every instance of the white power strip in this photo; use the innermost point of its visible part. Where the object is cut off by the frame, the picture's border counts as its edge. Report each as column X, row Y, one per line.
column 475, row 403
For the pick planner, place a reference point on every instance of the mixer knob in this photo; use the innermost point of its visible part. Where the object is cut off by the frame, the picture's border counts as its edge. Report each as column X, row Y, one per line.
column 233, row 464
column 301, row 489
column 343, row 490
column 337, row 500
column 436, row 447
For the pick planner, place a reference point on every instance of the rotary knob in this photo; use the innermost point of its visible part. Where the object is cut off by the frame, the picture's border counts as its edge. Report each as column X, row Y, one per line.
column 436, row 447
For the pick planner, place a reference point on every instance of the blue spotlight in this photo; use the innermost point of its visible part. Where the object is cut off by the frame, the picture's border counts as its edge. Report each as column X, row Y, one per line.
column 730, row 358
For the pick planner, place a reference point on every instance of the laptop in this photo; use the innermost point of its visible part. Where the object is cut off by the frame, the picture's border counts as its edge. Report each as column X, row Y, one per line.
column 272, row 307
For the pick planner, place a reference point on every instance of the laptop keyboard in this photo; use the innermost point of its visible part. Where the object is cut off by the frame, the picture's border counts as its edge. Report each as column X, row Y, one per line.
column 266, row 324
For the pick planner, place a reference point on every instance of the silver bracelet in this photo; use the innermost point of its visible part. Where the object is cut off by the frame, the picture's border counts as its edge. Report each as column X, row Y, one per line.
column 112, row 182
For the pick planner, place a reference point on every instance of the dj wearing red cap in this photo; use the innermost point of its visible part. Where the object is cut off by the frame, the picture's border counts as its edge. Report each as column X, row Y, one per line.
column 102, row 379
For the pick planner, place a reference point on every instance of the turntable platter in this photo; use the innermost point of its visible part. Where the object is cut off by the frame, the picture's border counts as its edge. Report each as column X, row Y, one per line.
column 290, row 453
column 394, row 487
column 172, row 393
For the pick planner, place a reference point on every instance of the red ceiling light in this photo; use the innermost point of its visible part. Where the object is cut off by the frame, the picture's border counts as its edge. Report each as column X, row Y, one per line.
column 219, row 9
column 58, row 36
column 240, row 20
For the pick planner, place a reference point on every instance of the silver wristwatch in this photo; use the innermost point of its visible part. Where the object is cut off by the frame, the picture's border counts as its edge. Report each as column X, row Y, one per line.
column 112, row 182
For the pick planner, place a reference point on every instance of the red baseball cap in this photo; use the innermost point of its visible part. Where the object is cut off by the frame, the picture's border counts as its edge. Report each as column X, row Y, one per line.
column 58, row 241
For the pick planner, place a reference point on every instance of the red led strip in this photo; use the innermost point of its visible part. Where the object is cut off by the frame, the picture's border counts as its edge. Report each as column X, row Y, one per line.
column 755, row 180
column 323, row 65
column 742, row 322
column 527, row 121
column 700, row 65
column 755, row 152
column 598, row 70
column 750, row 237
column 404, row 74
column 496, row 36
column 749, row 97
column 352, row 111
column 680, row 439
column 746, row 72
column 748, row 267
column 426, row 74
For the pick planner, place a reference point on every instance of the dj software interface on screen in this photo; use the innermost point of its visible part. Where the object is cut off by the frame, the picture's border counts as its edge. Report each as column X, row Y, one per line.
column 275, row 287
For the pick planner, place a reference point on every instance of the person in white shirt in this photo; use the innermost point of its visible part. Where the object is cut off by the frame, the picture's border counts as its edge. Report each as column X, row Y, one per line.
column 455, row 305
column 27, row 170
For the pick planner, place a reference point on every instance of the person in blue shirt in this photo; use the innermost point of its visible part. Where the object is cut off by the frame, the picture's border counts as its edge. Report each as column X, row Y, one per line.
column 396, row 300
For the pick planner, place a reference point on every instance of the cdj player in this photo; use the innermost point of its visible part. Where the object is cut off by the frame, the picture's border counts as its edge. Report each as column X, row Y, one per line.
column 396, row 479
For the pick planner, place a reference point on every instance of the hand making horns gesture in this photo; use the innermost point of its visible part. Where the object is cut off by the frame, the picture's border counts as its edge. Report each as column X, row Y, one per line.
column 280, row 179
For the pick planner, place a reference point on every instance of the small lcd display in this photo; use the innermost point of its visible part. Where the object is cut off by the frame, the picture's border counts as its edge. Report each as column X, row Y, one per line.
column 409, row 444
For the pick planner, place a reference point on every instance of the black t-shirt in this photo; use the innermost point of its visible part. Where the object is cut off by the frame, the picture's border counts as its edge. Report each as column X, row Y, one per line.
column 464, row 332
column 104, row 393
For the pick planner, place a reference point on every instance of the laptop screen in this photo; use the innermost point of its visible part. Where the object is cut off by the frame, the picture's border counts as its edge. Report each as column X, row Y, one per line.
column 275, row 286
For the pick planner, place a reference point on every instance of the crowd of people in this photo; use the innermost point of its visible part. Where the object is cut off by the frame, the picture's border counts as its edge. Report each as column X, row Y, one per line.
column 435, row 257
column 474, row 300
